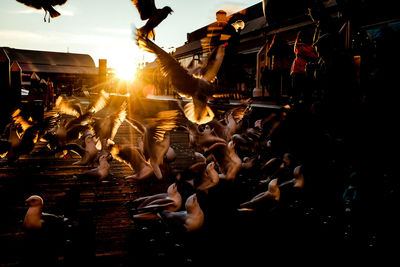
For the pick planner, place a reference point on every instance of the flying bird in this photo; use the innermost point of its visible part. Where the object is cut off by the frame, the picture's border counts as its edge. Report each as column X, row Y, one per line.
column 100, row 172
column 46, row 5
column 154, row 16
column 197, row 86
column 156, row 136
column 133, row 157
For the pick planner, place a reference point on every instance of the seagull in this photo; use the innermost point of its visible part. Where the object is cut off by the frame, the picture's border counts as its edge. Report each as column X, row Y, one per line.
column 46, row 5
column 68, row 130
column 268, row 199
column 35, row 218
column 100, row 172
column 228, row 161
column 208, row 179
column 23, row 143
column 154, row 16
column 89, row 153
column 132, row 156
column 189, row 220
column 44, row 234
column 149, row 206
column 106, row 128
column 156, row 136
column 199, row 87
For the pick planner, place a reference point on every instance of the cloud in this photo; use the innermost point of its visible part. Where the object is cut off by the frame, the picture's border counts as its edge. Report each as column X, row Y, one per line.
column 114, row 31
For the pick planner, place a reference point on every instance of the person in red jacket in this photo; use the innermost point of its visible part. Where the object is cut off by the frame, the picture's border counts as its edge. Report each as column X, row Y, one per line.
column 305, row 53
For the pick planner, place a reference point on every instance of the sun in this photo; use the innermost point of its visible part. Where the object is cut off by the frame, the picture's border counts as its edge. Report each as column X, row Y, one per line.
column 125, row 71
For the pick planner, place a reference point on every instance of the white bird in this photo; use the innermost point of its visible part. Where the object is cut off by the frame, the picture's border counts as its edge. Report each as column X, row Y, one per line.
column 149, row 206
column 188, row 220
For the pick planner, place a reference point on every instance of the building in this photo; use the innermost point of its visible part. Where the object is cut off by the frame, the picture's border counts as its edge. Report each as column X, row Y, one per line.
column 268, row 37
column 68, row 71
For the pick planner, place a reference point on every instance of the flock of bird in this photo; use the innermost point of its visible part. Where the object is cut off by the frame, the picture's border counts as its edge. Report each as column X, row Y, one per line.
column 225, row 145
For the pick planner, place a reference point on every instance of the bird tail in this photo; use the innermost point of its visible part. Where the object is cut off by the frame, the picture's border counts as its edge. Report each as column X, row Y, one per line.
column 53, row 13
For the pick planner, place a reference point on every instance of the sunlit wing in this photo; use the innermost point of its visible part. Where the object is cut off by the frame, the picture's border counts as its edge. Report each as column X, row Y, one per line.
column 210, row 70
column 118, row 120
column 164, row 122
column 206, row 116
column 100, row 102
column 170, row 67
column 65, row 107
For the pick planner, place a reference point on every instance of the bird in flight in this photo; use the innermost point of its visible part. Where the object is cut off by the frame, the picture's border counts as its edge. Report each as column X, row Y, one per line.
column 197, row 86
column 154, row 16
column 46, row 5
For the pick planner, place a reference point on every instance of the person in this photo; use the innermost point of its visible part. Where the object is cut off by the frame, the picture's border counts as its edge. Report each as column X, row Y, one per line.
column 305, row 53
column 264, row 81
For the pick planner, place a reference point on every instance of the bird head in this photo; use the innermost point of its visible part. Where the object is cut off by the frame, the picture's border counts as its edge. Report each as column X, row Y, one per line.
column 167, row 10
column 34, row 201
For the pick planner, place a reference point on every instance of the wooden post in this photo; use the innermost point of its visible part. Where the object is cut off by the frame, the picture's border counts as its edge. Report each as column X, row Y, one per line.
column 16, row 81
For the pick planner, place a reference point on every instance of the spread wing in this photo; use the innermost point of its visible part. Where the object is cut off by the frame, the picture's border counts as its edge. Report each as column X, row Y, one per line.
column 183, row 82
column 164, row 122
column 146, row 8
column 31, row 3
column 210, row 70
column 68, row 107
column 99, row 103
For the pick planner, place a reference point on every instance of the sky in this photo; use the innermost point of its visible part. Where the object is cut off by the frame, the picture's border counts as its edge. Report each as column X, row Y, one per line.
column 103, row 28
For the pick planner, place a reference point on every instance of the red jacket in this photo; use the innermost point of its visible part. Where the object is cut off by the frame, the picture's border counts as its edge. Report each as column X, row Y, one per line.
column 304, row 54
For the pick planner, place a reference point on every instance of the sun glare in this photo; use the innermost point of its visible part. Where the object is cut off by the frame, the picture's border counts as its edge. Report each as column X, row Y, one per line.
column 125, row 71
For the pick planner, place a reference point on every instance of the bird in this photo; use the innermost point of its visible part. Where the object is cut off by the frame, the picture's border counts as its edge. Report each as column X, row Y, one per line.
column 23, row 143
column 228, row 161
column 199, row 87
column 89, row 152
column 46, row 5
column 105, row 128
column 189, row 220
column 70, row 129
column 208, row 179
column 264, row 200
column 100, row 172
column 131, row 156
column 149, row 206
column 154, row 16
column 44, row 234
column 156, row 136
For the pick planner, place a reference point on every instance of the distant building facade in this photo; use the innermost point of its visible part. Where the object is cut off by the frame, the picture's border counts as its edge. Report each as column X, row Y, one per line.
column 68, row 72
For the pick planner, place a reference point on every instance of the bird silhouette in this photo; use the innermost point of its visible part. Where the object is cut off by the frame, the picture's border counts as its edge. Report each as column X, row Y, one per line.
column 199, row 87
column 46, row 5
column 22, row 143
column 154, row 16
